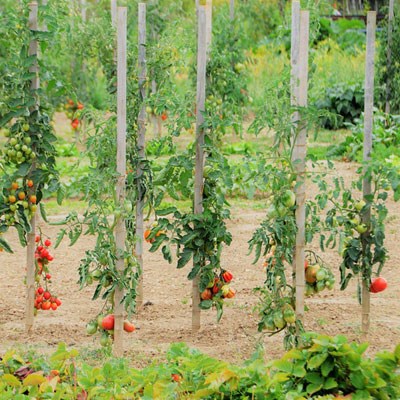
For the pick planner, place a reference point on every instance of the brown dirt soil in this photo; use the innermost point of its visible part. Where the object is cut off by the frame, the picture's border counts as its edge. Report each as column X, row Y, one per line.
column 168, row 318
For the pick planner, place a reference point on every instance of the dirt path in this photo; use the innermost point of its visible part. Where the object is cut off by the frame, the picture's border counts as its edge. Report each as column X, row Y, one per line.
column 168, row 318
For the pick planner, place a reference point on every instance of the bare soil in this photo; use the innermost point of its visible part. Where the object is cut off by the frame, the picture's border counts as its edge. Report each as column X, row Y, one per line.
column 167, row 316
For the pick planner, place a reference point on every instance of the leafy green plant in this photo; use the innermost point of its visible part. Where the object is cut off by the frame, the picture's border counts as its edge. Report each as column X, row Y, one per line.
column 344, row 101
column 386, row 134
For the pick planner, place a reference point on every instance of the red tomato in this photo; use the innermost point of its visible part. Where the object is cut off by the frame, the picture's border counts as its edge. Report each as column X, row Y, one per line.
column 129, row 327
column 47, row 242
column 58, row 302
column 378, row 284
column 47, row 295
column 227, row 276
column 206, row 294
column 108, row 322
column 164, row 116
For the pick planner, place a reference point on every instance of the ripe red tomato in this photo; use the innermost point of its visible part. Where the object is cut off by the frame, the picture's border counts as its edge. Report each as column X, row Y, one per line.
column 58, row 302
column 164, row 116
column 176, row 377
column 227, row 276
column 37, row 239
column 54, row 306
column 40, row 290
column 108, row 322
column 206, row 294
column 47, row 242
column 47, row 295
column 33, row 199
column 48, row 276
column 378, row 284
column 49, row 257
column 29, row 183
column 46, row 305
column 129, row 327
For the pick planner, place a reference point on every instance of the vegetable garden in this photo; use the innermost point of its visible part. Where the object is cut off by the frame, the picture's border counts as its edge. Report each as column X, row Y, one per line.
column 144, row 136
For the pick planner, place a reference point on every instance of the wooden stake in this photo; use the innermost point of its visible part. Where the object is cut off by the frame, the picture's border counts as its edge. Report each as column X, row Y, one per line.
column 300, row 165
column 113, row 7
column 30, row 250
column 141, row 148
column 208, row 25
column 199, row 169
column 83, row 10
column 368, row 128
column 294, row 77
column 389, row 54
column 120, row 230
column 232, row 9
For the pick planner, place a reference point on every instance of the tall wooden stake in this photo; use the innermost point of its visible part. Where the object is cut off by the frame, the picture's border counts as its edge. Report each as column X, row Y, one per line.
column 30, row 250
column 83, row 10
column 199, row 168
column 389, row 54
column 294, row 76
column 141, row 148
column 208, row 25
column 300, row 165
column 113, row 8
column 232, row 9
column 120, row 230
column 368, row 128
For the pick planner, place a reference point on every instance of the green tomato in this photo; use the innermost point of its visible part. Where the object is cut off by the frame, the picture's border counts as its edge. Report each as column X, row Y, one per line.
column 288, row 199
column 105, row 340
column 27, row 140
column 278, row 320
column 13, row 141
column 362, row 228
column 321, row 274
column 360, row 205
column 91, row 328
column 272, row 212
column 128, row 206
column 25, row 127
column 320, row 286
column 269, row 324
column 289, row 315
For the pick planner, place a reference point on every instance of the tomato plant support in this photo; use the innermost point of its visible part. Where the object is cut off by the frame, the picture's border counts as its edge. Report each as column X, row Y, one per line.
column 299, row 158
column 113, row 8
column 141, row 148
column 232, row 9
column 120, row 230
column 83, row 10
column 208, row 26
column 368, row 128
column 199, row 167
column 30, row 250
column 389, row 53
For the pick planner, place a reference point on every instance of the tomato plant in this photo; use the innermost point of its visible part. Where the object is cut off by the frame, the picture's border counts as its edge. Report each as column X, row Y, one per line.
column 29, row 166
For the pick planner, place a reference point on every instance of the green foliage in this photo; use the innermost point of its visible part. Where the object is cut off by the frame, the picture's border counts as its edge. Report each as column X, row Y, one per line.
column 357, row 225
column 324, row 368
column 344, row 101
column 386, row 134
column 388, row 78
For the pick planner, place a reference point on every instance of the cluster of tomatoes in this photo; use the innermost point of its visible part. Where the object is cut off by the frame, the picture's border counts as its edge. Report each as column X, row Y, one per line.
column 318, row 278
column 151, row 234
column 73, row 113
column 277, row 317
column 19, row 197
column 18, row 147
column 104, row 324
column 219, row 286
column 44, row 299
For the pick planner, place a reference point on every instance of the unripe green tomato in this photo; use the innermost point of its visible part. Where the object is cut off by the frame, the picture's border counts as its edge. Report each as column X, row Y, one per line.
column 17, row 147
column 25, row 127
column 24, row 148
column 91, row 328
column 27, row 140
column 13, row 141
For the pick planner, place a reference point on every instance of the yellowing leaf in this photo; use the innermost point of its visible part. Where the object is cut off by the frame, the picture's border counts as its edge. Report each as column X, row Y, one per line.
column 216, row 379
column 33, row 380
column 51, row 383
column 10, row 380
